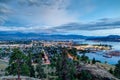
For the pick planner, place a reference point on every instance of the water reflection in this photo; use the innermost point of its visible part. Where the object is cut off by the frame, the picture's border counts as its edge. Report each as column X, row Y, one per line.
column 98, row 56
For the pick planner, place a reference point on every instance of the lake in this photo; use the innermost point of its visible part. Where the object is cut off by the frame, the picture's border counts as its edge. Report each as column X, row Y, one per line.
column 97, row 56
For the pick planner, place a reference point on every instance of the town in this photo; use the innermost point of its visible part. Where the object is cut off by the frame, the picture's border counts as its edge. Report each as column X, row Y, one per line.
column 48, row 50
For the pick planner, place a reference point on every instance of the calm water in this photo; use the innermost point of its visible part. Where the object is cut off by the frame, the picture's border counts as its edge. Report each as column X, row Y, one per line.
column 97, row 56
column 112, row 60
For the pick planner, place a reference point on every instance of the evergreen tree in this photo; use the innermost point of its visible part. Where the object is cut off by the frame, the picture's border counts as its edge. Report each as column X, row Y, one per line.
column 18, row 64
column 40, row 69
column 65, row 67
column 73, row 51
column 111, row 70
column 93, row 61
column 117, row 70
column 85, row 75
column 84, row 58
column 31, row 67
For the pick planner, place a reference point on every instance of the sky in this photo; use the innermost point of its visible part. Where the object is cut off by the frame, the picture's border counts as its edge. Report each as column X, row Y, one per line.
column 81, row 17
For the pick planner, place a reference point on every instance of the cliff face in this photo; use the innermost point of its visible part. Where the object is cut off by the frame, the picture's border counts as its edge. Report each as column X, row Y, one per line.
column 95, row 72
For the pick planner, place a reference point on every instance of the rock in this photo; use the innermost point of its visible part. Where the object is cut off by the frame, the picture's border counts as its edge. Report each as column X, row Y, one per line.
column 96, row 72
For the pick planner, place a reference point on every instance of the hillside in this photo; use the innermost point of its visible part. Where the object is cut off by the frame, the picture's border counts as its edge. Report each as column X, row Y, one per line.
column 96, row 72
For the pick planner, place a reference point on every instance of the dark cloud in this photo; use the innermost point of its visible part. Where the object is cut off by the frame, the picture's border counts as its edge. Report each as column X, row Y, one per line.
column 99, row 25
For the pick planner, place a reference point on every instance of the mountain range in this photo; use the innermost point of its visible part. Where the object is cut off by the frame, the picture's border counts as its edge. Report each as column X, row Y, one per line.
column 36, row 36
column 111, row 38
column 5, row 35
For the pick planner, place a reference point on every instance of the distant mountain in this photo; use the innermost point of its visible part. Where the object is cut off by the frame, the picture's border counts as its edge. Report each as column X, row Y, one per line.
column 38, row 36
column 112, row 38
column 4, row 35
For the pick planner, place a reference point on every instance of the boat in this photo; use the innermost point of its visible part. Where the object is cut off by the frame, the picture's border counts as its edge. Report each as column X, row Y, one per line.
column 107, row 56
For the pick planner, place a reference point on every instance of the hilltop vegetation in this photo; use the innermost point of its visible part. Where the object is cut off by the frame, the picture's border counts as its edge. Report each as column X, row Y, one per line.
column 62, row 66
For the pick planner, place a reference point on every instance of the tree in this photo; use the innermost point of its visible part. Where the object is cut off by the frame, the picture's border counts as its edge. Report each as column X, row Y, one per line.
column 84, row 58
column 111, row 70
column 85, row 75
column 117, row 70
column 65, row 67
column 31, row 67
column 18, row 64
column 73, row 51
column 40, row 69
column 93, row 61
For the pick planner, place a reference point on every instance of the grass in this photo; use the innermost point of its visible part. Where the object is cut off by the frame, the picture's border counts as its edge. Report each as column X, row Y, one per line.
column 3, row 65
column 105, row 66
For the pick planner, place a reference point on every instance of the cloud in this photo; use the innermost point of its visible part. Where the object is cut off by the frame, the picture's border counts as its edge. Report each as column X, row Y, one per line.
column 47, row 12
column 4, row 12
column 58, row 15
column 50, row 12
column 45, row 3
column 101, row 24
column 96, row 27
column 2, row 19
column 34, row 29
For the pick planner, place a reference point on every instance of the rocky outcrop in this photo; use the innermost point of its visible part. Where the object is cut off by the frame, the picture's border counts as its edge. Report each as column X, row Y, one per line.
column 95, row 72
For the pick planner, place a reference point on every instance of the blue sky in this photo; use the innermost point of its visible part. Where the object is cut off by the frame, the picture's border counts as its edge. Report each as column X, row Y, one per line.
column 86, row 17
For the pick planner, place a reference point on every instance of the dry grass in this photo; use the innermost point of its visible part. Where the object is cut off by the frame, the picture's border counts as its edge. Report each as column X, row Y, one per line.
column 3, row 65
column 105, row 66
